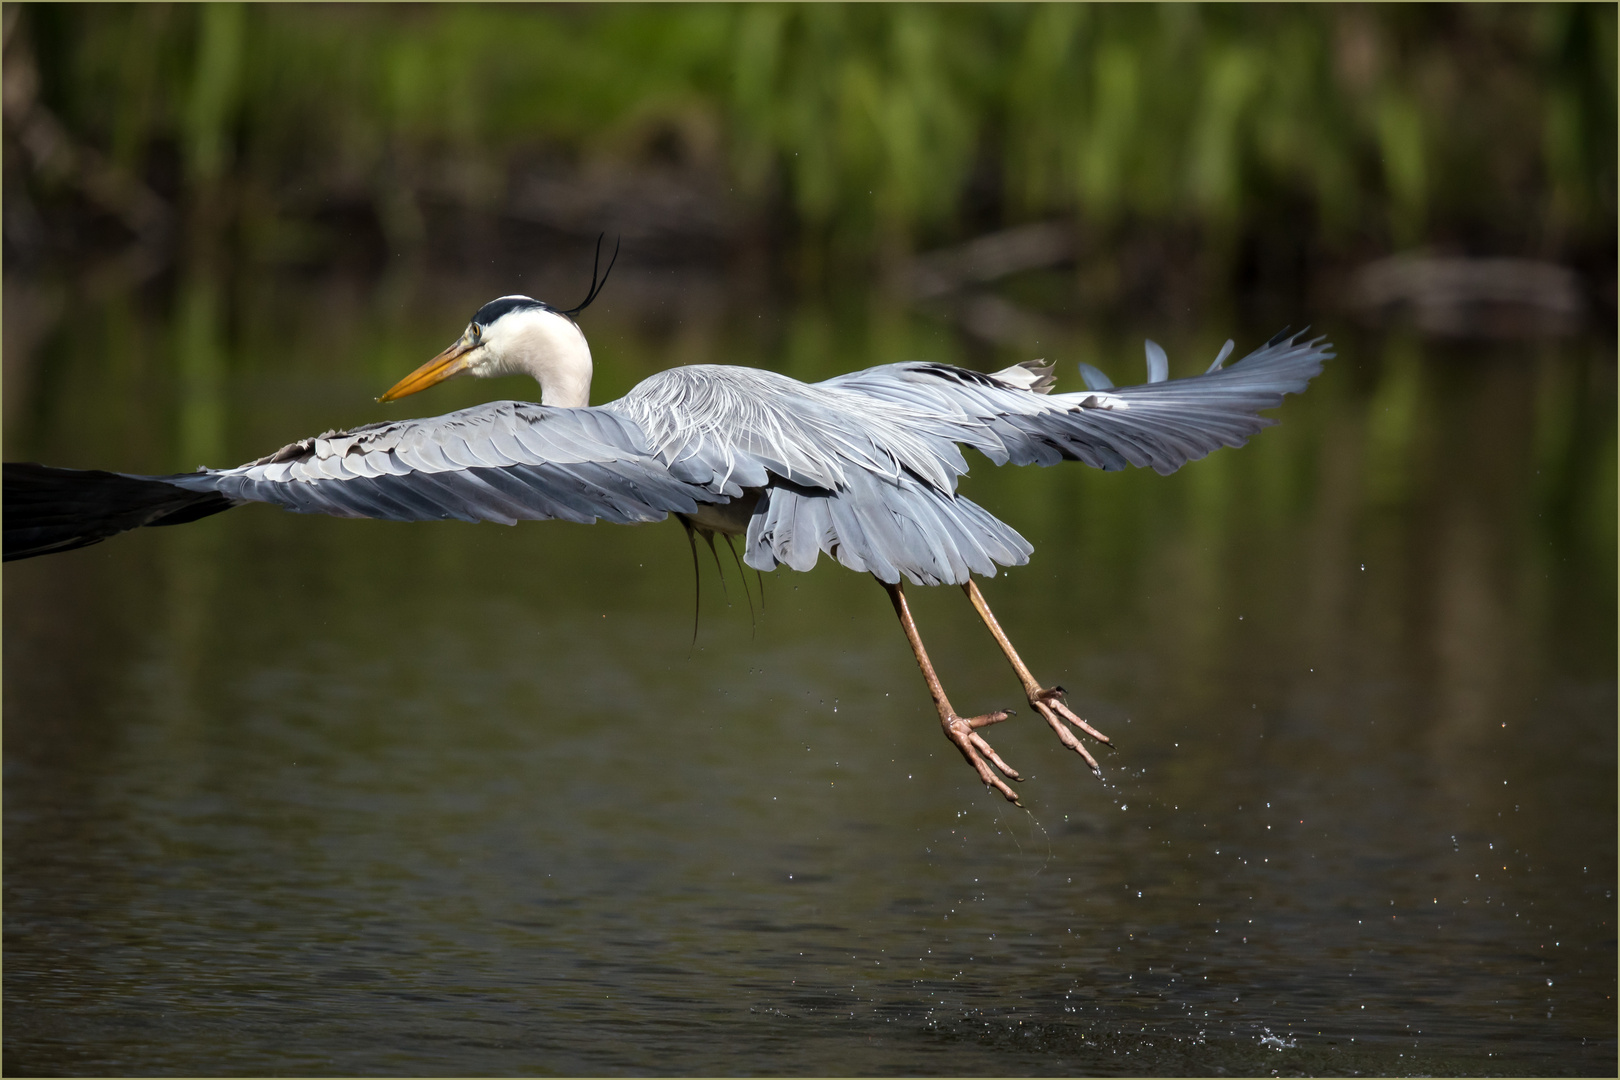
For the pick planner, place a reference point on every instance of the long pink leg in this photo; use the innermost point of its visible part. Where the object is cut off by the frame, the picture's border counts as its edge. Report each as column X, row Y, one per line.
column 961, row 731
column 1047, row 702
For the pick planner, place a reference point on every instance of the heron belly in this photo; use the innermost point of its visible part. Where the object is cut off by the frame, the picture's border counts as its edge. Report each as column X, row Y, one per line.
column 728, row 519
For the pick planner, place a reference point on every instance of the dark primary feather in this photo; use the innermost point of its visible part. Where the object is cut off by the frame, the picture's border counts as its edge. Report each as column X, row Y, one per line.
column 49, row 510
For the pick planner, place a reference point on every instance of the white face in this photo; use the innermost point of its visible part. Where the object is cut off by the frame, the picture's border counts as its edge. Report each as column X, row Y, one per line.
column 522, row 340
column 526, row 341
column 547, row 346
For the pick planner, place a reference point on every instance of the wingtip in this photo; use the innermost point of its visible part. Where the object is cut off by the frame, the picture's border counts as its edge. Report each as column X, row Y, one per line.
column 1158, row 362
column 1095, row 378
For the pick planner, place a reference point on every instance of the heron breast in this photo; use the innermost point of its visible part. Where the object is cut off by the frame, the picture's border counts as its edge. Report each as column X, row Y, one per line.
column 729, row 519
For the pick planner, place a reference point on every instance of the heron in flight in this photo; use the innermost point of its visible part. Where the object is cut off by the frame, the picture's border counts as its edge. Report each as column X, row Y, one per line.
column 862, row 467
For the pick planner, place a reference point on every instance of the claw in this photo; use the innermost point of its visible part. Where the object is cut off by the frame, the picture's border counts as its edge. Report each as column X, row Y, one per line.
column 962, row 731
column 991, row 718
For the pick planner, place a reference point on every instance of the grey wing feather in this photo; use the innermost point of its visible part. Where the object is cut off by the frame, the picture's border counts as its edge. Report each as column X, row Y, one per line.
column 883, row 527
column 1158, row 364
column 869, row 482
column 1166, row 424
column 1161, row 425
column 505, row 462
column 1094, row 378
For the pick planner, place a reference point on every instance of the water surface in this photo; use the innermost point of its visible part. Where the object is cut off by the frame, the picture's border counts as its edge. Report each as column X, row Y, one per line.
column 300, row 795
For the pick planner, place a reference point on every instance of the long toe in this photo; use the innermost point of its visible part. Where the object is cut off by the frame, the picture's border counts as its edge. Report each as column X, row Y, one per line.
column 1053, row 699
column 1067, row 737
column 990, row 752
column 977, row 722
column 976, row 750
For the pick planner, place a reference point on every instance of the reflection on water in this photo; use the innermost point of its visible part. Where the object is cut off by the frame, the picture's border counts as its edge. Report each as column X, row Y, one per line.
column 298, row 795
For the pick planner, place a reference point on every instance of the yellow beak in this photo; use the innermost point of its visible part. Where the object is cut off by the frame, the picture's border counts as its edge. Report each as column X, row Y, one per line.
column 453, row 361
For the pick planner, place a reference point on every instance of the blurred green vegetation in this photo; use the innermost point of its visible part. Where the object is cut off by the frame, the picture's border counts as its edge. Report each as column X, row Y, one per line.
column 863, row 129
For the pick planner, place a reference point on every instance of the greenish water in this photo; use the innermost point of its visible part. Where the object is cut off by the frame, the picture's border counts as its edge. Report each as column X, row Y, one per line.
column 297, row 795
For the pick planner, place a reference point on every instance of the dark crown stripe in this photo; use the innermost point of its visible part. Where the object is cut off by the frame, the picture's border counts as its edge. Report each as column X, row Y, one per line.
column 493, row 310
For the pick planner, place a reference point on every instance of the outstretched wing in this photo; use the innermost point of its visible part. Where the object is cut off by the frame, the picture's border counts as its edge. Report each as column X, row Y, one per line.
column 1169, row 422
column 864, row 466
column 505, row 461
column 1162, row 424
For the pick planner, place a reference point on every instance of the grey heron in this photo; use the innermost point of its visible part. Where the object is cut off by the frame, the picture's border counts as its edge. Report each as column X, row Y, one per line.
column 862, row 467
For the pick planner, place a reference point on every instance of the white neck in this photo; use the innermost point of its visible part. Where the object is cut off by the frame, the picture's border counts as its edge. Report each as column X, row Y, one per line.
column 546, row 346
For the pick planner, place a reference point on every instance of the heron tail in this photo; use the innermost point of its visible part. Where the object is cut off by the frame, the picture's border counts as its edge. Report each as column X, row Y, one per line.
column 49, row 510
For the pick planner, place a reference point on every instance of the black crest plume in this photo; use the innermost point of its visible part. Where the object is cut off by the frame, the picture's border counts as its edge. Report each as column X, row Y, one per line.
column 596, row 286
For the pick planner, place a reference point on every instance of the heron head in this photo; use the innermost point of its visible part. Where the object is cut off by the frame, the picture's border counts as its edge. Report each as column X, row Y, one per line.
column 514, row 335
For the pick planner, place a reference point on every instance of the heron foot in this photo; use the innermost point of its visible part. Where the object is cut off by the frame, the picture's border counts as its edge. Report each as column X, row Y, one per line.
column 1049, row 703
column 963, row 731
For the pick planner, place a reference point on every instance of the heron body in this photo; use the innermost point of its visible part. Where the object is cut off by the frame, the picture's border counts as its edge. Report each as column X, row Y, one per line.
column 863, row 467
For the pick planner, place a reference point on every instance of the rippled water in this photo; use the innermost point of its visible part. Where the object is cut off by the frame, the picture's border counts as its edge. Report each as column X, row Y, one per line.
column 298, row 795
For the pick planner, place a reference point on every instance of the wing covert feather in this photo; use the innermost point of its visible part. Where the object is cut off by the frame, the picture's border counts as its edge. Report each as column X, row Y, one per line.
column 505, row 462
